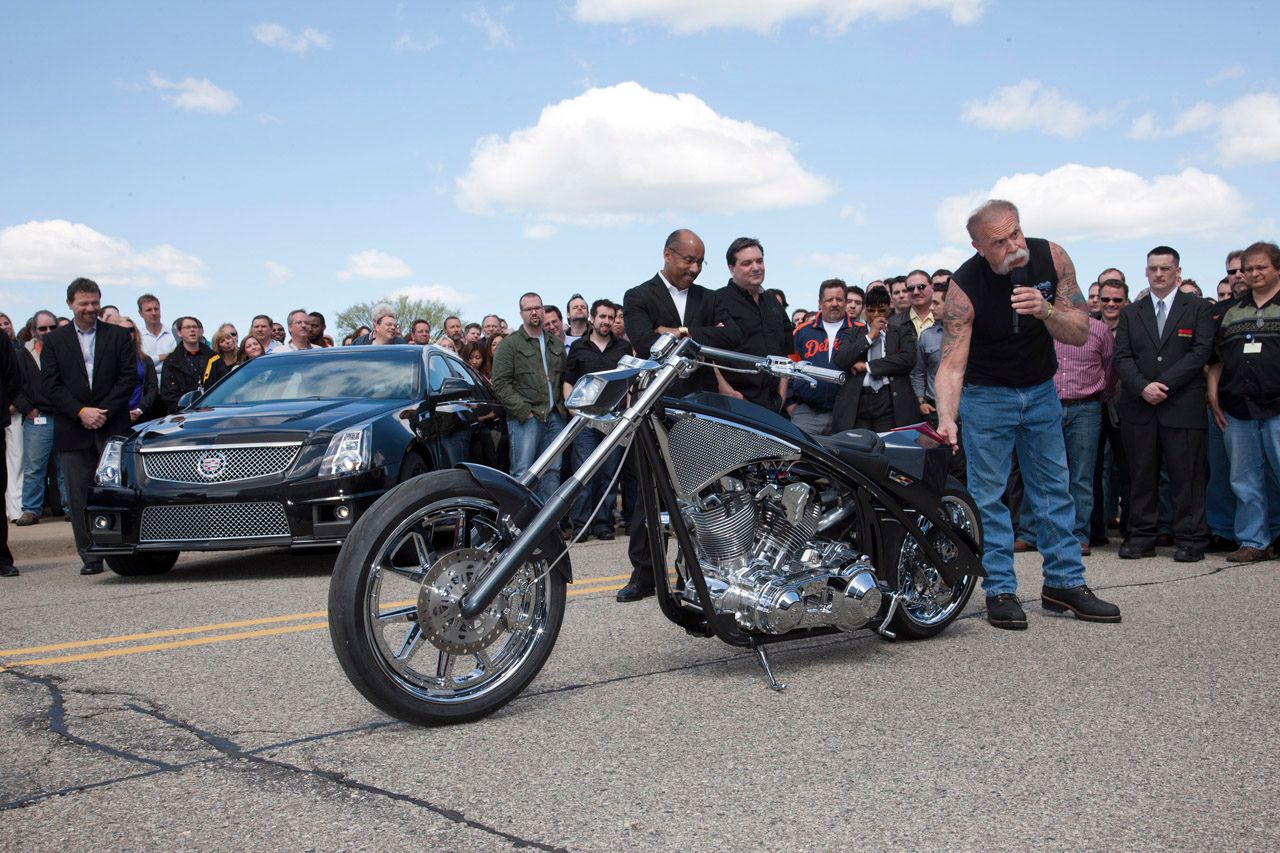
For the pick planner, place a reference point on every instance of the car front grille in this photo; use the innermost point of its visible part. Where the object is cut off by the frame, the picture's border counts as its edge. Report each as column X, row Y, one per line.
column 218, row 464
column 189, row 522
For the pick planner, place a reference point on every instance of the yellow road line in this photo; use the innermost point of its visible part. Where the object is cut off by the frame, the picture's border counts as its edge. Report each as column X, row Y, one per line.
column 593, row 585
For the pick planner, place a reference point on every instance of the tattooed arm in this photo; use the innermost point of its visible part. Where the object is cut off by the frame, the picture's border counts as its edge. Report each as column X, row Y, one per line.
column 1070, row 320
column 957, row 327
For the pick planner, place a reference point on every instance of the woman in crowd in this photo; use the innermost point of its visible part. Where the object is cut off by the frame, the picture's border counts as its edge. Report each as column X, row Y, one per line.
column 446, row 342
column 492, row 345
column 225, row 354
column 146, row 393
column 476, row 354
column 250, row 348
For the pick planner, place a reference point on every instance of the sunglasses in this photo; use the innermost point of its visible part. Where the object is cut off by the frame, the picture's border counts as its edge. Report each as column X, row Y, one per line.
column 1235, row 271
column 913, row 288
column 45, row 328
column 1111, row 300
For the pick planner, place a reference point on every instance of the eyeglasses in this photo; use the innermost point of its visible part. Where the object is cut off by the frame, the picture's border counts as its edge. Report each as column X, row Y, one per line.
column 915, row 288
column 688, row 259
column 877, row 311
column 45, row 328
column 1235, row 271
column 534, row 308
column 1111, row 300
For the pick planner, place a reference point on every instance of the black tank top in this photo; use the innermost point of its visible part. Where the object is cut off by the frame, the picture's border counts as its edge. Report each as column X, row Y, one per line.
column 996, row 355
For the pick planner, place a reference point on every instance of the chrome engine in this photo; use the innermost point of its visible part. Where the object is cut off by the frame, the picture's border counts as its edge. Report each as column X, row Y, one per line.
column 764, row 566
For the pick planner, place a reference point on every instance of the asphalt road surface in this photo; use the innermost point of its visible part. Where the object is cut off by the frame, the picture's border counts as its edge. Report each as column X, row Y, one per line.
column 204, row 710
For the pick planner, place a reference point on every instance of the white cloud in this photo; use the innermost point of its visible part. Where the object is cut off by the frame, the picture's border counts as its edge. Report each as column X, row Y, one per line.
column 432, row 292
column 277, row 273
column 267, row 118
column 374, row 264
column 1231, row 72
column 1248, row 129
column 539, row 231
column 856, row 269
column 853, row 212
column 407, row 42
column 612, row 155
column 58, row 250
column 193, row 94
column 1076, row 202
column 495, row 31
column 762, row 16
column 1029, row 105
column 277, row 36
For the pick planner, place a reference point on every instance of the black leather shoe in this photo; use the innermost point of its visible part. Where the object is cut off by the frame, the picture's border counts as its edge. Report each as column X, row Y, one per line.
column 91, row 569
column 1081, row 601
column 1133, row 552
column 1164, row 540
column 1005, row 611
column 8, row 570
column 634, row 592
column 604, row 534
column 1221, row 545
column 1187, row 555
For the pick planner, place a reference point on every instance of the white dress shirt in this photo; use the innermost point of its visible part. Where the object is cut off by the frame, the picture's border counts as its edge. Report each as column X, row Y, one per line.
column 678, row 296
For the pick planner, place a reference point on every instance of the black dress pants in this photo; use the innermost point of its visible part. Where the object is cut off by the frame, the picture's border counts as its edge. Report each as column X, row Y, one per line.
column 1184, row 453
column 78, row 467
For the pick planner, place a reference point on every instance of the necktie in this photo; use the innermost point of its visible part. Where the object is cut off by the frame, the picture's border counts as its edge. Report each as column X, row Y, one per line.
column 877, row 352
column 1160, row 318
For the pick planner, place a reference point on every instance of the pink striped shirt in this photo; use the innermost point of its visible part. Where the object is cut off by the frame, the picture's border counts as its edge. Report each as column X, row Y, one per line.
column 1086, row 370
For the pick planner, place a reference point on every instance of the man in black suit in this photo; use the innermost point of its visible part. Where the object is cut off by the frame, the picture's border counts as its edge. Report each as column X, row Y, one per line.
column 89, row 369
column 1162, row 344
column 670, row 303
column 879, row 355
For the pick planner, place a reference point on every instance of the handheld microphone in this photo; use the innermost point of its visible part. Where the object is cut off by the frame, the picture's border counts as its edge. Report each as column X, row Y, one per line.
column 1018, row 276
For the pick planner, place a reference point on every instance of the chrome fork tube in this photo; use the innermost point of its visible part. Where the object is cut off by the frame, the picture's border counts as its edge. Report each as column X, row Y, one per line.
column 500, row 572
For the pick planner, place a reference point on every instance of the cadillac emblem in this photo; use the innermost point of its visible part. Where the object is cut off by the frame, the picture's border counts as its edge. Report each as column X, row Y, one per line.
column 212, row 465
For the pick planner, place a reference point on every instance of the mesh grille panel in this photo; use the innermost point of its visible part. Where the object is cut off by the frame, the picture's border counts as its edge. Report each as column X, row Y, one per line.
column 702, row 449
column 218, row 465
column 213, row 521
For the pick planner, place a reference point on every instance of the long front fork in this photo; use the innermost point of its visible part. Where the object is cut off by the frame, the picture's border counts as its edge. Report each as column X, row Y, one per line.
column 500, row 572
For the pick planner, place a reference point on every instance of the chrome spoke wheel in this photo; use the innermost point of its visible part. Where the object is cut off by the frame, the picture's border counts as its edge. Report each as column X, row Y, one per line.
column 417, row 579
column 927, row 601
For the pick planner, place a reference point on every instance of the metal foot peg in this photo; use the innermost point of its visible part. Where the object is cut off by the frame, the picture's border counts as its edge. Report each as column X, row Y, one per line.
column 883, row 628
column 762, row 658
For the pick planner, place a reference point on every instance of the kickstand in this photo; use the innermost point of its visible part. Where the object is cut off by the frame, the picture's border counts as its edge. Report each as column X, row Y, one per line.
column 762, row 657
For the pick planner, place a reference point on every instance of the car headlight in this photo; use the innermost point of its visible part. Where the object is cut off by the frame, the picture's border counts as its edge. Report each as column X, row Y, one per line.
column 108, row 473
column 348, row 453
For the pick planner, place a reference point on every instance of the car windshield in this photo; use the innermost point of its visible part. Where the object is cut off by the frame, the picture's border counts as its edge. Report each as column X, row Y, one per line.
column 371, row 373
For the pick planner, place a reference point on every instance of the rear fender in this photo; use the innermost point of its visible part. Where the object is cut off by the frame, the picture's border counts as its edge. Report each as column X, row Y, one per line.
column 520, row 504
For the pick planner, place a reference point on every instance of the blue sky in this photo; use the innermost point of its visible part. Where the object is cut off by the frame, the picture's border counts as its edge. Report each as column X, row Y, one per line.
column 237, row 158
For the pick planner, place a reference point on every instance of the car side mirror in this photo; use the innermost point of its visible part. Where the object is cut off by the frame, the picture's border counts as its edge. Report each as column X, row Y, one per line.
column 453, row 386
column 185, row 401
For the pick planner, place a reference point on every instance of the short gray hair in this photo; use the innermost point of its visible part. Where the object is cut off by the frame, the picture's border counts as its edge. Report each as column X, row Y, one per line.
column 382, row 309
column 985, row 211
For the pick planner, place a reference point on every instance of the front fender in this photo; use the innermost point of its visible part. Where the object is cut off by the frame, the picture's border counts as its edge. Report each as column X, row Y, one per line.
column 520, row 504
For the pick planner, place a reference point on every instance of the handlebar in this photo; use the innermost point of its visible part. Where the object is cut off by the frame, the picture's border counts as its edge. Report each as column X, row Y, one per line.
column 775, row 365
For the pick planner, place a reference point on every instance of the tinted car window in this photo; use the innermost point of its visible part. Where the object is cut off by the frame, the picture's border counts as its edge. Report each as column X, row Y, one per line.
column 460, row 371
column 437, row 372
column 383, row 375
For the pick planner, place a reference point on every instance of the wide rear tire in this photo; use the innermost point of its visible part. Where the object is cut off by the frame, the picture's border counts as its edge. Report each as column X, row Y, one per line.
column 393, row 605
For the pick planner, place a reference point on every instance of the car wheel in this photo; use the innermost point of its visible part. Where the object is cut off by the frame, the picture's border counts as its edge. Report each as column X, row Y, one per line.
column 413, row 466
column 148, row 563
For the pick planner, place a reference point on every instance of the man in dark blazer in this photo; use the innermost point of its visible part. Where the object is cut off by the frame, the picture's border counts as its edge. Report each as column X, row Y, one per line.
column 1162, row 344
column 89, row 369
column 670, row 303
column 879, row 355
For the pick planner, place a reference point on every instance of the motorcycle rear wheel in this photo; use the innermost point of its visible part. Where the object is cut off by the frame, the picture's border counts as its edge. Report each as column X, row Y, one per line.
column 393, row 605
column 929, row 604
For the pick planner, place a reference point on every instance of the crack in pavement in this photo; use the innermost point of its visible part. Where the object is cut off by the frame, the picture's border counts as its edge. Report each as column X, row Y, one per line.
column 232, row 750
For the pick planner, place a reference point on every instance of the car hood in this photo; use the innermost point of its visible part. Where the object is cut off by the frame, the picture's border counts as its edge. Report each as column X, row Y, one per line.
column 289, row 420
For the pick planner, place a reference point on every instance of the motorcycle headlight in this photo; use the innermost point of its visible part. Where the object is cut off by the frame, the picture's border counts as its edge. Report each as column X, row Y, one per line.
column 108, row 473
column 586, row 391
column 348, row 453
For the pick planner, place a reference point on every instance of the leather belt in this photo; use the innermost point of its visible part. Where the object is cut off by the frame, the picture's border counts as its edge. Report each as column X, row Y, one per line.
column 1092, row 398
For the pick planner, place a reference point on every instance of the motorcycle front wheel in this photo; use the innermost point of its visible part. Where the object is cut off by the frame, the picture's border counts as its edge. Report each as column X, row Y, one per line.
column 393, row 605
column 928, row 603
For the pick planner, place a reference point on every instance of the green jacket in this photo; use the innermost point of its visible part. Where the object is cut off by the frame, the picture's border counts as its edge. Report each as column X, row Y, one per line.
column 518, row 377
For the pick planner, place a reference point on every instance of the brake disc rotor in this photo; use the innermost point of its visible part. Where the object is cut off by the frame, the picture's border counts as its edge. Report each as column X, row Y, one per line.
column 443, row 587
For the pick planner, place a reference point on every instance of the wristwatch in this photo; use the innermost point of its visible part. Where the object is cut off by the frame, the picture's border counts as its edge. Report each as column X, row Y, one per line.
column 1048, row 313
column 684, row 331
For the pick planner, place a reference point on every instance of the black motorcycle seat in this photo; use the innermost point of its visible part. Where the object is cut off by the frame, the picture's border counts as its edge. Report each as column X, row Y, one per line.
column 861, row 448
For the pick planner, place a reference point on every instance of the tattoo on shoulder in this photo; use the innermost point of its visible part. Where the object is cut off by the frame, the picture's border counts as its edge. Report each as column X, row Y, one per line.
column 1068, row 287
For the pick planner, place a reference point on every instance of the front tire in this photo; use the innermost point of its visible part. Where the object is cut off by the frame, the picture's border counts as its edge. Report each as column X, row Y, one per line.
column 145, row 563
column 928, row 603
column 393, row 605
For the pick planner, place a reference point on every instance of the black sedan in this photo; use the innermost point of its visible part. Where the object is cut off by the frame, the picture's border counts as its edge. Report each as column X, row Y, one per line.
column 288, row 450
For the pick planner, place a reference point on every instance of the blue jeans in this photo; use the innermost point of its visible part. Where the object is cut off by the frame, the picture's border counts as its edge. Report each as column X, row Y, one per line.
column 593, row 490
column 1219, row 500
column 529, row 438
column 37, row 448
column 1081, row 430
column 997, row 421
column 1253, row 447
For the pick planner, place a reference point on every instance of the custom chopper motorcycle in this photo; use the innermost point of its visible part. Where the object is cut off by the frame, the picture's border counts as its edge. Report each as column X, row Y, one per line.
column 448, row 594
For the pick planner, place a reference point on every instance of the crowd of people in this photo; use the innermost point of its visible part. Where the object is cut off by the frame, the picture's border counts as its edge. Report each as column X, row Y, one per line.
column 1163, row 400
